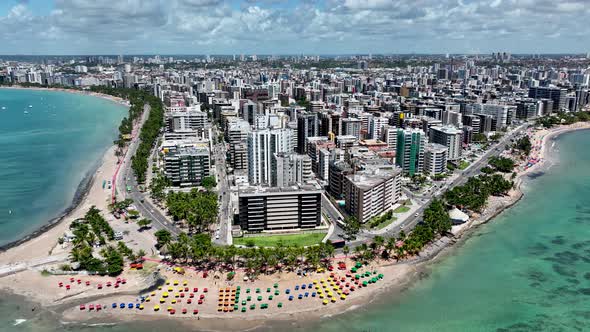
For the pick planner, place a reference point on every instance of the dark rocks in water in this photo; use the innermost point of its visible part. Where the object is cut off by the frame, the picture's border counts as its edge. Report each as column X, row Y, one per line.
column 561, row 270
column 587, row 275
column 536, row 276
column 573, row 281
column 535, row 175
column 558, row 240
column 538, row 249
column 567, row 257
column 583, row 314
column 563, row 291
column 580, row 245
column 585, row 291
column 535, row 285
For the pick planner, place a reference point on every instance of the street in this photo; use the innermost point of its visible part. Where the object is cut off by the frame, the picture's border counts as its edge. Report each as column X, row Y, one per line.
column 225, row 207
column 473, row 169
column 125, row 178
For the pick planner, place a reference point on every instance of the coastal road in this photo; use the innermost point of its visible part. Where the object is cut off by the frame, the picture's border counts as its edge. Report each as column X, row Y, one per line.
column 473, row 170
column 226, row 213
column 334, row 215
column 127, row 178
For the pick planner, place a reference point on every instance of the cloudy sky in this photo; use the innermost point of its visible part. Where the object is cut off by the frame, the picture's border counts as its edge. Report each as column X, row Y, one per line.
column 293, row 26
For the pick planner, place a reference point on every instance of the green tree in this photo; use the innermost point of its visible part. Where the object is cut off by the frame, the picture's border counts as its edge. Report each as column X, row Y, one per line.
column 351, row 227
column 144, row 223
column 163, row 237
column 209, row 182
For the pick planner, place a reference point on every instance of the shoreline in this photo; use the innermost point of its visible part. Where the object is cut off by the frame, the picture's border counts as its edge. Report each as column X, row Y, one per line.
column 116, row 100
column 405, row 273
column 82, row 189
column 80, row 195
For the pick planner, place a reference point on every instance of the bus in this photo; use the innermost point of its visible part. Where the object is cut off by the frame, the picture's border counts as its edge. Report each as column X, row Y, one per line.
column 128, row 189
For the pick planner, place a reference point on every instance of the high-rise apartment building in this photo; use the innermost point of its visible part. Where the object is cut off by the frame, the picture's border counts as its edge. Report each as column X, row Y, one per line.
column 410, row 151
column 371, row 192
column 273, row 208
column 307, row 126
column 450, row 137
column 262, row 145
column 187, row 166
column 558, row 95
column 435, row 159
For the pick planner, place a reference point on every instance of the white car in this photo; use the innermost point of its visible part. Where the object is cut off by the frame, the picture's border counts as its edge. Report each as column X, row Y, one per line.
column 217, row 237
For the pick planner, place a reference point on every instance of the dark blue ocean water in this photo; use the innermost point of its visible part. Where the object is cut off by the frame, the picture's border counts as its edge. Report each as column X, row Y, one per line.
column 49, row 141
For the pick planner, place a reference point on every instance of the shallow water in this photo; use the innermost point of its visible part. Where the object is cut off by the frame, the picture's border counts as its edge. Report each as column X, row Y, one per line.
column 47, row 150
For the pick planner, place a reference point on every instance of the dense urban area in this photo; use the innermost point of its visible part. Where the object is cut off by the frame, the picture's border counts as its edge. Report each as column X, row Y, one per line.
column 273, row 158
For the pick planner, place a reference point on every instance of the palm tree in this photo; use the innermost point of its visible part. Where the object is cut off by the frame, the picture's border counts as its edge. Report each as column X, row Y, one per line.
column 346, row 250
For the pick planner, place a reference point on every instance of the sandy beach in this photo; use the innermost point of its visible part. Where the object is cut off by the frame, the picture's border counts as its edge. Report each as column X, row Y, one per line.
column 22, row 265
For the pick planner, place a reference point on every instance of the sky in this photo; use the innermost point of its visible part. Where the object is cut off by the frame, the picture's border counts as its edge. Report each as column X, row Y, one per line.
column 71, row 27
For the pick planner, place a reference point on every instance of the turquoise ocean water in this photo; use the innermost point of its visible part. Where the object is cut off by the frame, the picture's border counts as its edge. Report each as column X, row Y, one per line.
column 528, row 270
column 46, row 150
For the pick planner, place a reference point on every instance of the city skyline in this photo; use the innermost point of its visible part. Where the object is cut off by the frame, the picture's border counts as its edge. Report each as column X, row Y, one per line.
column 80, row 27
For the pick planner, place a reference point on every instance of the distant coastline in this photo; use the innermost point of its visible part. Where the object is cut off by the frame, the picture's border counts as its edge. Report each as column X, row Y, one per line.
column 113, row 99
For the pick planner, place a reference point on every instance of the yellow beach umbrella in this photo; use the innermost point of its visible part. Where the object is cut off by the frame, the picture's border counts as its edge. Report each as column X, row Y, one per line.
column 153, row 294
column 162, row 300
column 333, row 299
column 321, row 296
column 147, row 299
column 343, row 297
column 325, row 302
column 170, row 289
column 315, row 282
column 159, row 287
column 167, row 282
column 185, row 283
column 175, row 282
column 141, row 307
column 169, row 308
column 173, row 301
column 165, row 294
column 156, row 307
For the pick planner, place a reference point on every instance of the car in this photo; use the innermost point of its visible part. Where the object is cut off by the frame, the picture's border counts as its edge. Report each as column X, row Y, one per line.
column 217, row 237
column 416, row 214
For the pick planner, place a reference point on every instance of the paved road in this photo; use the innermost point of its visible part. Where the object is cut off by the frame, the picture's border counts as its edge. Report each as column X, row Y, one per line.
column 334, row 215
column 225, row 218
column 127, row 178
column 472, row 170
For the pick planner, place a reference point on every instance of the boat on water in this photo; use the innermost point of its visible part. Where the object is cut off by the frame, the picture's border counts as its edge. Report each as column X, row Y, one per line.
column 3, row 107
column 30, row 106
column 26, row 112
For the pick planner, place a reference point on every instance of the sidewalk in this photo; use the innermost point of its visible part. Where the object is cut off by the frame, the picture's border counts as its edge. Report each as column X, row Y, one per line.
column 401, row 218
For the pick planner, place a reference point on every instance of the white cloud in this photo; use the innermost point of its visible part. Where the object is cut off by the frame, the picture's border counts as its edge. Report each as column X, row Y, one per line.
column 294, row 26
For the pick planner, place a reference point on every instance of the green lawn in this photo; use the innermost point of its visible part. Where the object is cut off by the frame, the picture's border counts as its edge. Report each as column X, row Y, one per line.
column 303, row 240
column 463, row 165
column 385, row 223
column 401, row 209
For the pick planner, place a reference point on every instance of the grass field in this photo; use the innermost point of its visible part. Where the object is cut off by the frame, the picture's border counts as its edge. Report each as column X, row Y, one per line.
column 303, row 240
column 463, row 165
column 385, row 223
column 401, row 209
